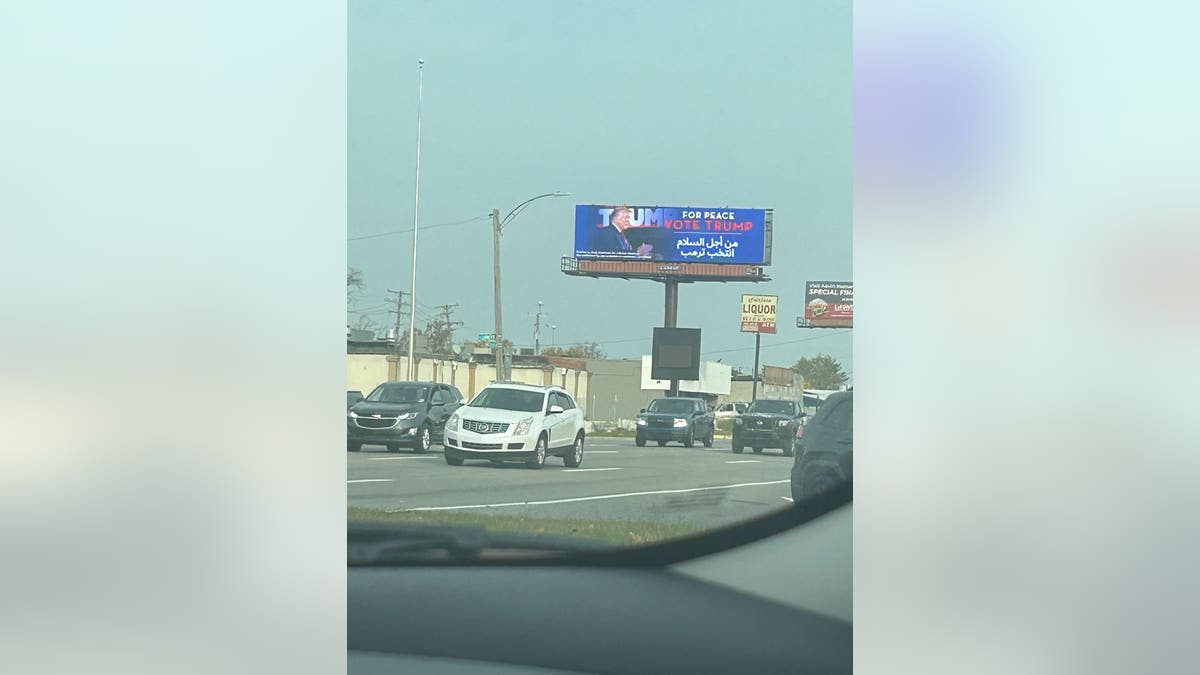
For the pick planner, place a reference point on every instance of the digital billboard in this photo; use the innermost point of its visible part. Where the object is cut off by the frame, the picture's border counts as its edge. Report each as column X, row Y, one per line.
column 672, row 234
column 829, row 303
column 675, row 354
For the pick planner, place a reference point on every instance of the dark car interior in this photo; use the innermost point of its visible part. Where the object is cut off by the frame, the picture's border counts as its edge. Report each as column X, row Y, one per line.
column 691, row 606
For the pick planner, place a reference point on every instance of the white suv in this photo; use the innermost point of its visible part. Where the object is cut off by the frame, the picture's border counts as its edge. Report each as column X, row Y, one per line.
column 516, row 421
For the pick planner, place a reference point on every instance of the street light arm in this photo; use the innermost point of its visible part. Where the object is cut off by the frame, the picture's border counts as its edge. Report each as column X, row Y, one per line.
column 517, row 209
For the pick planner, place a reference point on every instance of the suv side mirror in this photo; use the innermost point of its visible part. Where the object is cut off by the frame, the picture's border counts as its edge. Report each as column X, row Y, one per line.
column 641, row 411
column 555, row 409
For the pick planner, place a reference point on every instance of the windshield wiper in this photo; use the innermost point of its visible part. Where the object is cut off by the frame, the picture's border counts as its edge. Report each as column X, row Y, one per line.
column 384, row 543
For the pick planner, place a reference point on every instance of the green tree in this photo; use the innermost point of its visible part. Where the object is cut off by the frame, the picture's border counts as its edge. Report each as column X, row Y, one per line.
column 585, row 350
column 439, row 337
column 821, row 372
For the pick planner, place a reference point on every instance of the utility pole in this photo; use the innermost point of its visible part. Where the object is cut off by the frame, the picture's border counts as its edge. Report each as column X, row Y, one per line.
column 537, row 330
column 447, row 325
column 400, row 313
column 754, row 387
column 501, row 374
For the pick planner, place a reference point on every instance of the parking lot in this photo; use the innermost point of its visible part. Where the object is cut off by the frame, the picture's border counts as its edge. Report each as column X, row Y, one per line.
column 702, row 487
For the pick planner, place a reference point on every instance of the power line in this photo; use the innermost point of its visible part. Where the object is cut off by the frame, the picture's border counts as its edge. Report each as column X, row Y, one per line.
column 423, row 228
column 779, row 344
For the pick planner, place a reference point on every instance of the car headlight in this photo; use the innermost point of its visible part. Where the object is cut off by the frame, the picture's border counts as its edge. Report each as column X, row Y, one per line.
column 406, row 416
column 737, row 421
column 783, row 423
column 352, row 414
column 641, row 422
column 680, row 423
column 452, row 423
column 523, row 426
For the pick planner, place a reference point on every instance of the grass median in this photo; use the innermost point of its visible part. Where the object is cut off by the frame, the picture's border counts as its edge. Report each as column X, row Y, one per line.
column 614, row 531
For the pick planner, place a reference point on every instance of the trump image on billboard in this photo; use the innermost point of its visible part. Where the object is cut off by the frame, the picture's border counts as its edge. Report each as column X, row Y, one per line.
column 670, row 234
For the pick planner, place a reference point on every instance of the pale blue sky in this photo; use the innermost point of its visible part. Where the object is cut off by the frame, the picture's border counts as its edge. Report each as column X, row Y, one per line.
column 698, row 103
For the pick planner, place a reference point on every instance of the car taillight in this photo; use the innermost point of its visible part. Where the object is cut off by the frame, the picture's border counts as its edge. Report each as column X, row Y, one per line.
column 800, row 431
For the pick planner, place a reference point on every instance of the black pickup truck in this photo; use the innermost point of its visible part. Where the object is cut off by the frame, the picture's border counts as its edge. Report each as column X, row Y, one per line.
column 767, row 424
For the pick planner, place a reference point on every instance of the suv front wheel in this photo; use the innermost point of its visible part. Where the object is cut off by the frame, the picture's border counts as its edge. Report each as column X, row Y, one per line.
column 574, row 456
column 538, row 459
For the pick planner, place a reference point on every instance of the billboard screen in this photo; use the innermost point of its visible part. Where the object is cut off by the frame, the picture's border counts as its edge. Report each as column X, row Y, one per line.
column 829, row 303
column 675, row 354
column 759, row 313
column 671, row 234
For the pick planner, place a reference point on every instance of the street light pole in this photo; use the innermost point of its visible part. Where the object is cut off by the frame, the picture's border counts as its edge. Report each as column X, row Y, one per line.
column 499, row 350
column 497, row 230
column 412, row 320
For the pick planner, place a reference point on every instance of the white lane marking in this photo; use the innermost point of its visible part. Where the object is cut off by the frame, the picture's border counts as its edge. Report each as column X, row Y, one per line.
column 603, row 452
column 381, row 459
column 609, row 468
column 597, row 497
column 788, row 498
column 371, row 480
column 741, row 461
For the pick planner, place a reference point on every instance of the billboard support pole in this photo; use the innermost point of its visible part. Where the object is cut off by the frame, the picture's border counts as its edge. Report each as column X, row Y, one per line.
column 754, row 387
column 670, row 313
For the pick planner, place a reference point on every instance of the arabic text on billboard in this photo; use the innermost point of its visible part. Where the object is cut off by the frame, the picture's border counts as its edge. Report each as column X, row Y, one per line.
column 829, row 301
column 759, row 313
column 671, row 234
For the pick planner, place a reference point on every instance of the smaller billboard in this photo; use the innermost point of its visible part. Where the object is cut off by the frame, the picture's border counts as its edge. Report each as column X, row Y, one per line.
column 675, row 354
column 829, row 304
column 759, row 313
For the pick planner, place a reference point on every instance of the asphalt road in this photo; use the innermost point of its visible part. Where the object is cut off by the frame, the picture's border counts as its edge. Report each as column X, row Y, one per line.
column 699, row 486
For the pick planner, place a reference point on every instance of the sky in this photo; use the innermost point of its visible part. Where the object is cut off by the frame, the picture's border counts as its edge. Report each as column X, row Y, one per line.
column 685, row 104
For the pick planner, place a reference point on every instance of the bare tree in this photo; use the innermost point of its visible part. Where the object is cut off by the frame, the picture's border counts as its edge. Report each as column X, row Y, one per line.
column 354, row 283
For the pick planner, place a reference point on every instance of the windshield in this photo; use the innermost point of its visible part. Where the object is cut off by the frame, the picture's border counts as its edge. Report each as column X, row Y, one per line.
column 671, row 406
column 771, row 407
column 629, row 304
column 399, row 393
column 503, row 398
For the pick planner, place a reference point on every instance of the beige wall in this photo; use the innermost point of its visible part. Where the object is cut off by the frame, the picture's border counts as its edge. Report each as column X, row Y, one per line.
column 364, row 372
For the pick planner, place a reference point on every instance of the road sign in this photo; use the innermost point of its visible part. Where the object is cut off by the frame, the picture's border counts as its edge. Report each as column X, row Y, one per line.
column 487, row 337
column 802, row 322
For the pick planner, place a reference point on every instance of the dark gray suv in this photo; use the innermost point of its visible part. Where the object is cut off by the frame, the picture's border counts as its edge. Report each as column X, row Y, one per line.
column 825, row 453
column 686, row 420
column 395, row 414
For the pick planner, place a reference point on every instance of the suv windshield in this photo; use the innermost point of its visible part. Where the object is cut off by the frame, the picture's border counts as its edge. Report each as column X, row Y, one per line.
column 503, row 398
column 399, row 393
column 671, row 406
column 771, row 407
